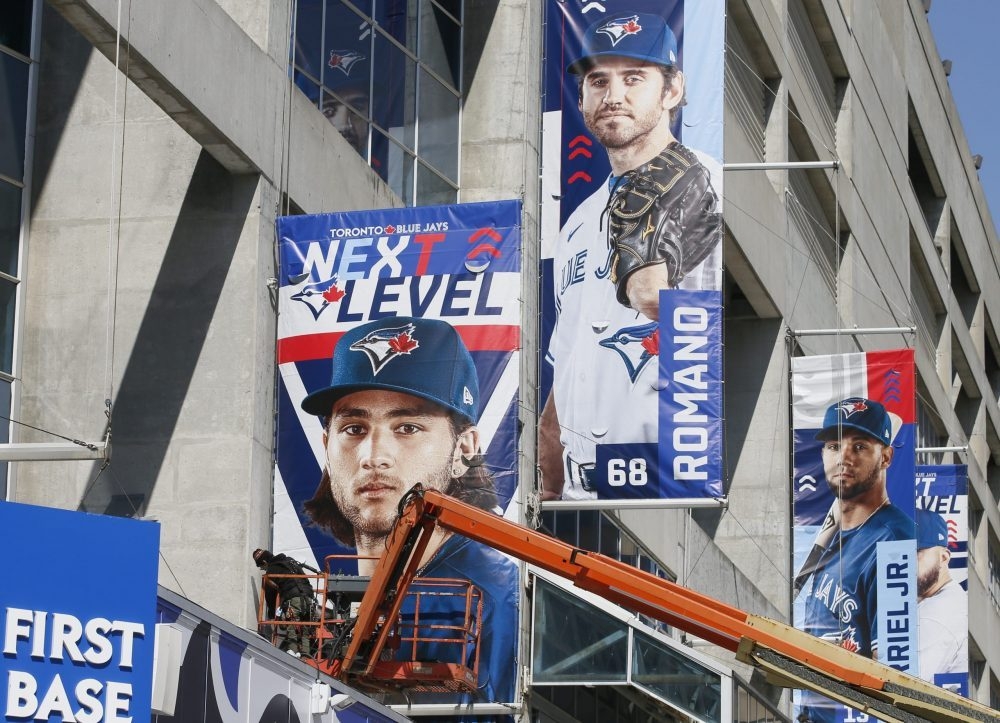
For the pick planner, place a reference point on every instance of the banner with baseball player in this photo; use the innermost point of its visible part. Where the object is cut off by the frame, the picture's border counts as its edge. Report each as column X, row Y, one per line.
column 631, row 259
column 943, row 575
column 398, row 364
column 855, row 559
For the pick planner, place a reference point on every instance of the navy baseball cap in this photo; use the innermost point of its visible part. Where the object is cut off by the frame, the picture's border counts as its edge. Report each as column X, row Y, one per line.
column 643, row 36
column 422, row 357
column 932, row 530
column 858, row 414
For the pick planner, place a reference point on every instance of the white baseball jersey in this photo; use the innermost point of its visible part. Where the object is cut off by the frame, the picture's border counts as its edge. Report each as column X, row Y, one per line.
column 605, row 386
column 943, row 632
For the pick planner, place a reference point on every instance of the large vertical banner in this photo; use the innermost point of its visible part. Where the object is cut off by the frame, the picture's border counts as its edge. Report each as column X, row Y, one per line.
column 942, row 575
column 854, row 552
column 78, row 607
column 631, row 250
column 398, row 360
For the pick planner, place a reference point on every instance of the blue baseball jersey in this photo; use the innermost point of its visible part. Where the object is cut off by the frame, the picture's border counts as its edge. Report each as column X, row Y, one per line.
column 497, row 576
column 842, row 604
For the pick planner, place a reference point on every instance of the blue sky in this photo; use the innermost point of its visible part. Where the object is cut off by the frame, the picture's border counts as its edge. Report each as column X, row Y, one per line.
column 966, row 34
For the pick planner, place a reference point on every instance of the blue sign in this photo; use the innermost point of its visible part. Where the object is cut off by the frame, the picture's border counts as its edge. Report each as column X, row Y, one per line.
column 79, row 608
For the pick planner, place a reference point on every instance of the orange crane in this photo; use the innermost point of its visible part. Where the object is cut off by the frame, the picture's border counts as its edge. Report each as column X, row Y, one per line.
column 789, row 657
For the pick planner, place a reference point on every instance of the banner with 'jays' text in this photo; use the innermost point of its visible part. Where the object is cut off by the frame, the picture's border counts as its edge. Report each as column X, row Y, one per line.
column 632, row 371
column 855, row 563
column 398, row 364
column 338, row 271
column 943, row 575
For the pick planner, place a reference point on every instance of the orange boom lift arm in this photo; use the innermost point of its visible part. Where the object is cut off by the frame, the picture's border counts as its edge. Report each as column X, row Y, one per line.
column 789, row 657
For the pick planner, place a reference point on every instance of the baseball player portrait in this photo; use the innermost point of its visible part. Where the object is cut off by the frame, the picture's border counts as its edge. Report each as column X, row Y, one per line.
column 839, row 578
column 942, row 604
column 654, row 224
column 401, row 408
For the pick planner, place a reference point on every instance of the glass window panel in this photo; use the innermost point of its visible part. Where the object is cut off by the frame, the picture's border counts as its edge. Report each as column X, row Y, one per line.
column 308, row 87
column 8, row 291
column 4, row 432
column 393, row 18
column 13, row 113
column 609, row 538
column 347, row 55
column 590, row 526
column 452, row 6
column 438, row 126
column 364, row 6
column 394, row 92
column 394, row 164
column 10, row 227
column 308, row 37
column 432, row 190
column 351, row 125
column 674, row 677
column 575, row 642
column 440, row 42
column 15, row 26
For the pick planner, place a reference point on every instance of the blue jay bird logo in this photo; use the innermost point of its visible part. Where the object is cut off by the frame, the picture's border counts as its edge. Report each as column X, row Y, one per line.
column 383, row 345
column 319, row 295
column 344, row 60
column 635, row 345
column 620, row 28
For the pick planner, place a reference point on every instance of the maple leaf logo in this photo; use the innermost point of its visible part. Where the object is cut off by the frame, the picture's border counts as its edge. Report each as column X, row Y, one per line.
column 403, row 343
column 333, row 294
column 652, row 343
column 390, row 229
column 631, row 26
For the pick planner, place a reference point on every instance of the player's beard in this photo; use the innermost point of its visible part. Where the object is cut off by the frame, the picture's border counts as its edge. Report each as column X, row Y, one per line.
column 928, row 580
column 372, row 522
column 856, row 487
column 622, row 131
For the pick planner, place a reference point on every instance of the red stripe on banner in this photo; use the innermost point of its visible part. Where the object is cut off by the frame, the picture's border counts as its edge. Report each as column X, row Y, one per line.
column 320, row 346
column 892, row 381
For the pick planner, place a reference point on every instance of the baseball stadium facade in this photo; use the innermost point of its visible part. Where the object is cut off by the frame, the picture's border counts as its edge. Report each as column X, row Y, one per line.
column 149, row 148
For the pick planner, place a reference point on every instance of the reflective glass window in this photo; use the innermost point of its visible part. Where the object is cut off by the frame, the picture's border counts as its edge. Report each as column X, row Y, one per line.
column 4, row 432
column 367, row 7
column 347, row 55
column 351, row 124
column 394, row 164
column 392, row 16
column 308, row 37
column 432, row 190
column 453, row 7
column 438, row 126
column 13, row 115
column 10, row 227
column 15, row 25
column 362, row 56
column 575, row 642
column 8, row 291
column 308, row 87
column 440, row 42
column 394, row 97
column 676, row 678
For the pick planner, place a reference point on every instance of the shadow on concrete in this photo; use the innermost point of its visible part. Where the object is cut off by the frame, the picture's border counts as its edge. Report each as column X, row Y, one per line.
column 476, row 34
column 749, row 348
column 63, row 59
column 171, row 336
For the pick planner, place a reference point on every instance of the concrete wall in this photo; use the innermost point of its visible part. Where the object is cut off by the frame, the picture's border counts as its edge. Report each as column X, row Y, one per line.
column 192, row 369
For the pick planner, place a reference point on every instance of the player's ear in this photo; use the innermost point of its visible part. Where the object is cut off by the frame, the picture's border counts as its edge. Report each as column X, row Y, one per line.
column 887, row 452
column 673, row 95
column 466, row 448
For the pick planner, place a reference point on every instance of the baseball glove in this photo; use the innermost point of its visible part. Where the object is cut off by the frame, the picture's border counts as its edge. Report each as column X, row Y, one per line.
column 664, row 211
